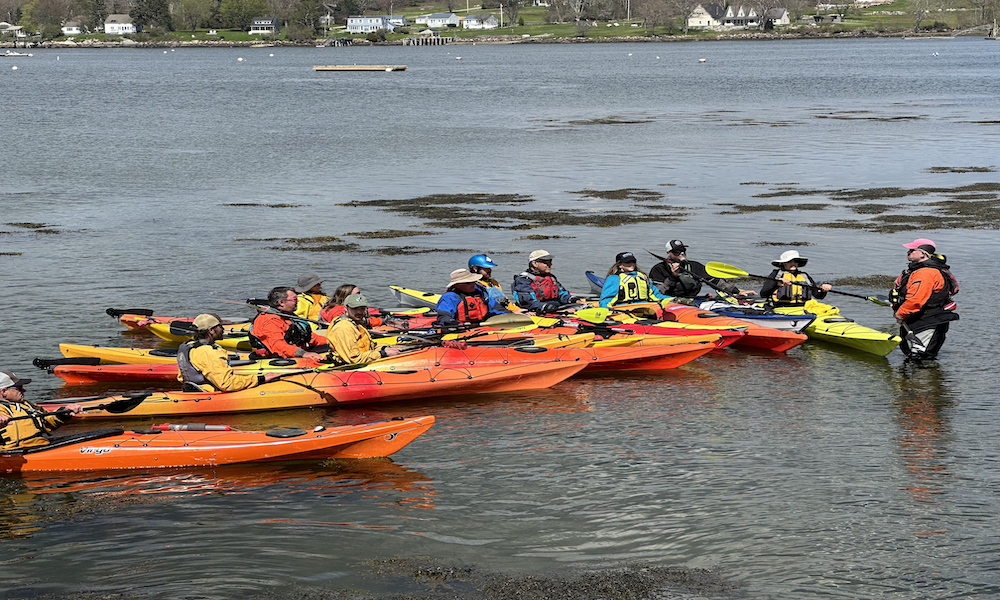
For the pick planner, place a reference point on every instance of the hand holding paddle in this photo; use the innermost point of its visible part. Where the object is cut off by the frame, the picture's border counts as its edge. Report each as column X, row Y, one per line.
column 723, row 271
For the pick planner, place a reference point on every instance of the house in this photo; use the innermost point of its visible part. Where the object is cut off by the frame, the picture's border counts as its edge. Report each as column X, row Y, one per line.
column 706, row 16
column 740, row 17
column 397, row 20
column 439, row 20
column 74, row 27
column 15, row 31
column 368, row 24
column 480, row 22
column 421, row 20
column 119, row 24
column 777, row 17
column 264, row 26
column 545, row 3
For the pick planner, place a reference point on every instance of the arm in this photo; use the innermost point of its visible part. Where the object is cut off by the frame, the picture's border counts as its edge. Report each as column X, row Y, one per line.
column 770, row 285
column 818, row 291
column 564, row 296
column 494, row 306
column 271, row 332
column 609, row 293
column 213, row 364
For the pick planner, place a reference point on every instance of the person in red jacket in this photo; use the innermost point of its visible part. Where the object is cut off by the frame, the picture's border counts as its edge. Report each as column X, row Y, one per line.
column 279, row 332
column 922, row 300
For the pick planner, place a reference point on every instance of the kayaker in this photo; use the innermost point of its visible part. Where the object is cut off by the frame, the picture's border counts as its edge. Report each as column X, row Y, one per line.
column 682, row 278
column 788, row 285
column 626, row 284
column 536, row 289
column 279, row 333
column 483, row 265
column 204, row 367
column 22, row 423
column 311, row 298
column 465, row 301
column 922, row 300
column 350, row 342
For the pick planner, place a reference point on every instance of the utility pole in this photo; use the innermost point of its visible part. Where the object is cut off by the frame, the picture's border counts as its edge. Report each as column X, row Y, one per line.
column 501, row 16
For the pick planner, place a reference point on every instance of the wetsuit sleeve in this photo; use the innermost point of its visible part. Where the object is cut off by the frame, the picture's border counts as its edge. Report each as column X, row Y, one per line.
column 919, row 288
column 721, row 285
column 270, row 330
column 817, row 293
column 658, row 274
column 609, row 293
column 214, row 365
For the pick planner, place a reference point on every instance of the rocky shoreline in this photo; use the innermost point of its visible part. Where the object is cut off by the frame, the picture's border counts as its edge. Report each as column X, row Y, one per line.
column 485, row 39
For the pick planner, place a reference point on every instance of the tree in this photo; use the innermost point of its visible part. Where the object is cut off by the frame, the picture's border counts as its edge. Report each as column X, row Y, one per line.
column 304, row 23
column 513, row 8
column 39, row 13
column 652, row 12
column 149, row 13
column 239, row 14
column 191, row 14
column 10, row 10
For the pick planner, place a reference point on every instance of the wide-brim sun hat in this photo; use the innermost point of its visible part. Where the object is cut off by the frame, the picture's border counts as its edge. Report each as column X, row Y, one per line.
column 306, row 282
column 789, row 256
column 463, row 276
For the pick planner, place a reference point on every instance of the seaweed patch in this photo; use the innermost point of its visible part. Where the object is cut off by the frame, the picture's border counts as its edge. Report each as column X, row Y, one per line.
column 26, row 225
column 866, row 281
column 784, row 244
column 960, row 170
column 386, row 234
column 538, row 238
column 265, row 204
column 743, row 209
column 635, row 194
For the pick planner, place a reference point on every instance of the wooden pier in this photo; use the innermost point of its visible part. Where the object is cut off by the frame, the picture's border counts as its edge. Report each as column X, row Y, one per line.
column 359, row 67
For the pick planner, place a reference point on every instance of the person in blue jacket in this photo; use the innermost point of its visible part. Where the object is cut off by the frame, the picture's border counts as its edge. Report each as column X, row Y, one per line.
column 626, row 284
column 465, row 301
column 537, row 290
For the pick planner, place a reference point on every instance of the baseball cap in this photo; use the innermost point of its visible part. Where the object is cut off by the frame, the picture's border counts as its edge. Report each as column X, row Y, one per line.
column 539, row 255
column 676, row 246
column 625, row 257
column 355, row 301
column 9, row 380
column 924, row 244
column 206, row 321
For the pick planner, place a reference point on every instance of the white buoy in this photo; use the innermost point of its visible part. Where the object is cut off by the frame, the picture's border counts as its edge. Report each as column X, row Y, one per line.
column 164, row 51
column 240, row 59
column 701, row 60
column 388, row 69
column 271, row 55
column 13, row 68
column 458, row 58
column 657, row 58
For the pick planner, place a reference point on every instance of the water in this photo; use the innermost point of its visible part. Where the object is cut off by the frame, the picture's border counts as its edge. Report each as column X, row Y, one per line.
column 817, row 474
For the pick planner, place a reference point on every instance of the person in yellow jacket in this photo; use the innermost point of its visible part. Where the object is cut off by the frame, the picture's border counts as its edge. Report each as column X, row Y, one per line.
column 350, row 342
column 205, row 367
column 311, row 297
column 23, row 424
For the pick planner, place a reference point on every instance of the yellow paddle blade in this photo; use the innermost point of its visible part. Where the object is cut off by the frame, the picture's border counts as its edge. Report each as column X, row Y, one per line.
column 724, row 271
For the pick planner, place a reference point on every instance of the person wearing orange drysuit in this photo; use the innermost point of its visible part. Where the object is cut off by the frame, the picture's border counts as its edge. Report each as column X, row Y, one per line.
column 280, row 333
column 922, row 301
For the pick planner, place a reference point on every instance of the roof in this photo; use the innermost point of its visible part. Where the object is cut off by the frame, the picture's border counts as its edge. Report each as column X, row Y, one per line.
column 118, row 18
column 442, row 16
column 262, row 20
column 480, row 17
column 775, row 13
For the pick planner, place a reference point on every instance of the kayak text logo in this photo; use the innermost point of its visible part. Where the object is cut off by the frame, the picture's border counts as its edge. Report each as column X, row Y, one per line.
column 95, row 451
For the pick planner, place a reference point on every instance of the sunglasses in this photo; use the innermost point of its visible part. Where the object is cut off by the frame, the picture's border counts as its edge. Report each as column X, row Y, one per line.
column 547, row 261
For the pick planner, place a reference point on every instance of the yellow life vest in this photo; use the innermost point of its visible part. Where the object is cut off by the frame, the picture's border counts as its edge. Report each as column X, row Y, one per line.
column 632, row 288
column 792, row 294
column 27, row 425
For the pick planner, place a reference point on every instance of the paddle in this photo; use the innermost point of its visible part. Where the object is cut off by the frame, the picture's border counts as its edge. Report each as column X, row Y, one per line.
column 48, row 363
column 115, row 407
column 118, row 312
column 723, row 271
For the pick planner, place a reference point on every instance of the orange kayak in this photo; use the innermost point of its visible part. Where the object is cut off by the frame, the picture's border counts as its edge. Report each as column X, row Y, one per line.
column 326, row 388
column 116, row 449
column 757, row 336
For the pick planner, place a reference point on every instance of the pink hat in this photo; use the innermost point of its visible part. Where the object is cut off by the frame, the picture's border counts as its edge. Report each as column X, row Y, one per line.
column 922, row 244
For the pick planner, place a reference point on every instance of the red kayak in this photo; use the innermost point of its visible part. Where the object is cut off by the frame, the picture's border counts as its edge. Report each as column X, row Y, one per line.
column 757, row 336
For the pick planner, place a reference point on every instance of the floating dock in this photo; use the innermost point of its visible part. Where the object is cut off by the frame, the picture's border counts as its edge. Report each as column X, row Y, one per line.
column 359, row 67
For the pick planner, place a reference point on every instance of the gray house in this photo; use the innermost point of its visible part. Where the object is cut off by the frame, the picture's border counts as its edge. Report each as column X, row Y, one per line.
column 264, row 26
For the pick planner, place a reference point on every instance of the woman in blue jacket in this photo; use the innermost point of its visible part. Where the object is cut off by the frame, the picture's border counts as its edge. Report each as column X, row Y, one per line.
column 626, row 284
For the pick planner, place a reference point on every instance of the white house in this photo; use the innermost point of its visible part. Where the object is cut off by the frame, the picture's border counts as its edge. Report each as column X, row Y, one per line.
column 777, row 16
column 439, row 20
column 119, row 24
column 480, row 22
column 264, row 26
column 706, row 16
column 540, row 3
column 397, row 20
column 15, row 31
column 368, row 24
column 74, row 27
column 740, row 17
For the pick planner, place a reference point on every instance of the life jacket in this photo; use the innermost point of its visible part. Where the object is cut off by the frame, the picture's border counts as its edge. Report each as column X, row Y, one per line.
column 473, row 307
column 687, row 285
column 939, row 299
column 362, row 332
column 189, row 374
column 298, row 333
column 27, row 430
column 633, row 288
column 792, row 294
column 495, row 291
column 544, row 287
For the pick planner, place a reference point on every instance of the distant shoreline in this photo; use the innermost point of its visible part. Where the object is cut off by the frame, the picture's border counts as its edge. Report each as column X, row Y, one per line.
column 485, row 40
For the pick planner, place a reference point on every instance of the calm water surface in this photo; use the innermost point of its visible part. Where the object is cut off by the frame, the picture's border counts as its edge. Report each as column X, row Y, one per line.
column 817, row 474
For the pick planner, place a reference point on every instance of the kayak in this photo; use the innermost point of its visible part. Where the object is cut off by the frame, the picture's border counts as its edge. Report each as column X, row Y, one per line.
column 757, row 336
column 414, row 298
column 177, row 333
column 796, row 322
column 167, row 373
column 115, row 355
column 324, row 388
column 830, row 326
column 118, row 449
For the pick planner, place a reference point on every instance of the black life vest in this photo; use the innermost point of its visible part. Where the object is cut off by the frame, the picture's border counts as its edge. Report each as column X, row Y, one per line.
column 939, row 299
column 189, row 374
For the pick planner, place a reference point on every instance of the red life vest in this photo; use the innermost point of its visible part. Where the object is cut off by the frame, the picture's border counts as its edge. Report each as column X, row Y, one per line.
column 546, row 287
column 471, row 309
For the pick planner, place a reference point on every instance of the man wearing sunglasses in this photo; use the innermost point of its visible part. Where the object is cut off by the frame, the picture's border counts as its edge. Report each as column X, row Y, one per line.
column 537, row 289
column 682, row 278
column 22, row 424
